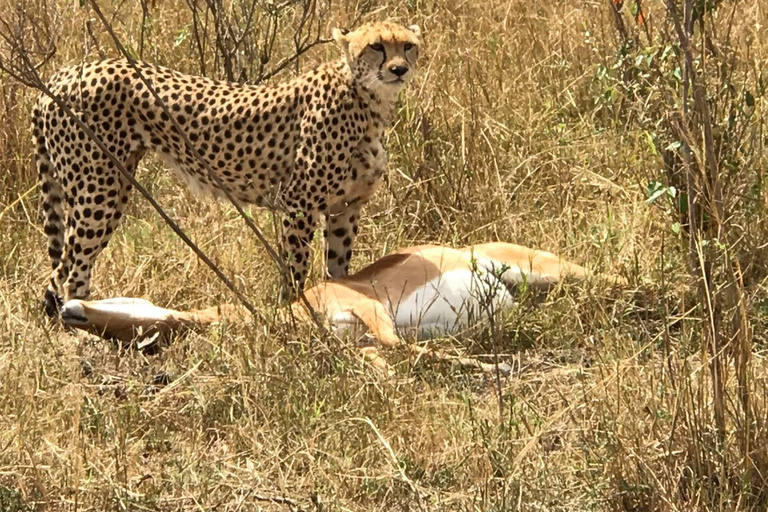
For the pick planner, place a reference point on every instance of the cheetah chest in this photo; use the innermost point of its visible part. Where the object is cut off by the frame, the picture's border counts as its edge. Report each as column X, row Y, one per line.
column 367, row 167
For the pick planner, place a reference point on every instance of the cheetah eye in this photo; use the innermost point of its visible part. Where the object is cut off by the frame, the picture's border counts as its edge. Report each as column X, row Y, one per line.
column 377, row 47
column 407, row 46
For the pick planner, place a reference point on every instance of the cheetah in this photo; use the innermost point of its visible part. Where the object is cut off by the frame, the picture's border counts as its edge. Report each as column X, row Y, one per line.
column 308, row 148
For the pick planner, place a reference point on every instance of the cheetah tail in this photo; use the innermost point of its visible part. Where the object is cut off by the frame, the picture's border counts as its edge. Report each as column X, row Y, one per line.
column 53, row 212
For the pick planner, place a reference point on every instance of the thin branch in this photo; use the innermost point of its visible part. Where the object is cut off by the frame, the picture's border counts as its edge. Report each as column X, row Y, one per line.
column 279, row 500
column 293, row 58
column 199, row 40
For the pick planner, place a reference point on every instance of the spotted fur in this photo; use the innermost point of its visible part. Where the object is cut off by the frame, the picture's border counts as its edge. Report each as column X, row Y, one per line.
column 308, row 148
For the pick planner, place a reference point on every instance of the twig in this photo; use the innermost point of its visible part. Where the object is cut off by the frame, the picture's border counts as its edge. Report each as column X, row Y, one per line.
column 18, row 200
column 142, row 30
column 279, row 500
column 618, row 21
column 289, row 60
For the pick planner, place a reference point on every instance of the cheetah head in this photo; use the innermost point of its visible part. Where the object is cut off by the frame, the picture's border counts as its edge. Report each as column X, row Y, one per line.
column 381, row 55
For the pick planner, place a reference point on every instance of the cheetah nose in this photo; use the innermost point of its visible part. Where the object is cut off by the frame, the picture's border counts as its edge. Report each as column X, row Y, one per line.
column 398, row 70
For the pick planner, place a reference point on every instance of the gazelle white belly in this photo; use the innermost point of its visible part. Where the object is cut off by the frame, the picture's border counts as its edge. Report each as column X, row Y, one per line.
column 450, row 302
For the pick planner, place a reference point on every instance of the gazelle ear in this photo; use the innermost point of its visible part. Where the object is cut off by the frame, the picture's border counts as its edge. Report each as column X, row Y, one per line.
column 415, row 29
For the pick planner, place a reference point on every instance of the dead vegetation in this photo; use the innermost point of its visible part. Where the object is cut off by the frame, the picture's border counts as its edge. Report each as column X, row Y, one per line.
column 628, row 138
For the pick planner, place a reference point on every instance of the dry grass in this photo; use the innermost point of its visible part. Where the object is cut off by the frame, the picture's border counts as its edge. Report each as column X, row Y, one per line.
column 506, row 135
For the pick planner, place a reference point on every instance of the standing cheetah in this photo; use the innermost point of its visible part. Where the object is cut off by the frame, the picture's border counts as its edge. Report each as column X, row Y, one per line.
column 307, row 148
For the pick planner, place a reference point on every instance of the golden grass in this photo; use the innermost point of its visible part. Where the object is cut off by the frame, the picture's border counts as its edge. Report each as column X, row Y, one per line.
column 502, row 137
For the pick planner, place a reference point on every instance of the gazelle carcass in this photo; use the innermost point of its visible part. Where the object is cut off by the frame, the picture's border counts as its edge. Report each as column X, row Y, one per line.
column 422, row 292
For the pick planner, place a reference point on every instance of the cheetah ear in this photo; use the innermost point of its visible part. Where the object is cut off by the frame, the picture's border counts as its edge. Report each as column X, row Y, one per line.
column 340, row 36
column 416, row 30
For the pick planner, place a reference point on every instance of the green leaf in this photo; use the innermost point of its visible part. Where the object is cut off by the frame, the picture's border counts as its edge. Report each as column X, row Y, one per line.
column 131, row 50
column 649, row 59
column 654, row 196
column 674, row 146
column 656, row 189
column 666, row 52
column 181, row 37
column 651, row 144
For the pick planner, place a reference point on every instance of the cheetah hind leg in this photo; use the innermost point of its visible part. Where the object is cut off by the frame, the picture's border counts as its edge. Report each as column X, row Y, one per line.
column 90, row 229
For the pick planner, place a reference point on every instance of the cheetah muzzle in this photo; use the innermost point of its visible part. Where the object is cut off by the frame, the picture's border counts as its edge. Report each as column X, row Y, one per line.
column 307, row 148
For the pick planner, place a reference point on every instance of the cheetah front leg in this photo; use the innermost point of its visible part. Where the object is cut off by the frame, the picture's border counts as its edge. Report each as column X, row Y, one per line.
column 367, row 167
column 298, row 228
column 340, row 233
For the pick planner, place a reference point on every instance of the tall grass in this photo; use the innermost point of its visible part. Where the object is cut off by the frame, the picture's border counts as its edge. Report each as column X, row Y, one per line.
column 570, row 127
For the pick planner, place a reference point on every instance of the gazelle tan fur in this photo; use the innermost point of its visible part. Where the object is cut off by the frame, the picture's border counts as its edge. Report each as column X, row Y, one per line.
column 421, row 291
